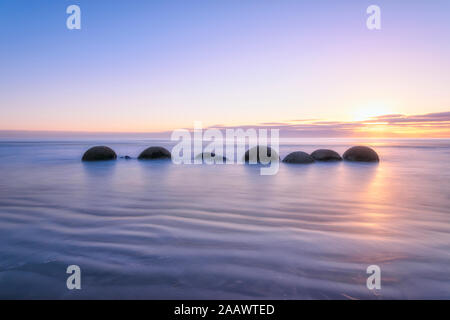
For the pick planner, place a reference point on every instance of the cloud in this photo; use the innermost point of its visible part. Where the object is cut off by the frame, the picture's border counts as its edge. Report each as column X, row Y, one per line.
column 390, row 125
column 399, row 118
column 436, row 125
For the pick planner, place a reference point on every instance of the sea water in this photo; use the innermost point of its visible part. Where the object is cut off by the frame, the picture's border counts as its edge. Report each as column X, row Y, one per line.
column 156, row 230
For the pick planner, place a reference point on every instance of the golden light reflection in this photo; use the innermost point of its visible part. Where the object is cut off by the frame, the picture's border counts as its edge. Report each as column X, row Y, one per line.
column 376, row 193
column 371, row 190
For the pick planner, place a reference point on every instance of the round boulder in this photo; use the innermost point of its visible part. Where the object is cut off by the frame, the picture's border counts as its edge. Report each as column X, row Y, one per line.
column 298, row 157
column 253, row 155
column 155, row 153
column 326, row 155
column 211, row 157
column 361, row 153
column 99, row 153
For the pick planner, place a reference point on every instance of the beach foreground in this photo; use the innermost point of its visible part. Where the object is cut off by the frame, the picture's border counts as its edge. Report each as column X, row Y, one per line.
column 155, row 230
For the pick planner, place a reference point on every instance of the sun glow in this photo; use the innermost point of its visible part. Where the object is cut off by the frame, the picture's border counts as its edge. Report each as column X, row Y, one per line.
column 370, row 110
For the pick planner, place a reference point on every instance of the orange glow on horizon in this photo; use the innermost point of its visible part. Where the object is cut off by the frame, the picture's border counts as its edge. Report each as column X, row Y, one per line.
column 380, row 126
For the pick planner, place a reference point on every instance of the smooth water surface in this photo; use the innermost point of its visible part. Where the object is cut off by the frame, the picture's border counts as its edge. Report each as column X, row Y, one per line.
column 153, row 229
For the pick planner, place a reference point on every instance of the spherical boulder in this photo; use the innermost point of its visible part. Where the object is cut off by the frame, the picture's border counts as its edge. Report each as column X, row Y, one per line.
column 99, row 153
column 253, row 155
column 153, row 153
column 361, row 153
column 211, row 157
column 326, row 155
column 298, row 157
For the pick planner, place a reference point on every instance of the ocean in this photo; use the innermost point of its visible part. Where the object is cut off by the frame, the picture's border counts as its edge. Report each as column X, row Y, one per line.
column 156, row 230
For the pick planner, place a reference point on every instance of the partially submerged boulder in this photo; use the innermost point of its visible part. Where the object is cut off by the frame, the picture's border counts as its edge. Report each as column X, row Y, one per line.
column 361, row 153
column 99, row 153
column 153, row 153
column 211, row 157
column 326, row 155
column 254, row 154
column 298, row 157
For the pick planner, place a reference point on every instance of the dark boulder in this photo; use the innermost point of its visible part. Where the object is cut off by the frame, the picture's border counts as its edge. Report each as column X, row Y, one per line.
column 253, row 155
column 99, row 153
column 126, row 157
column 155, row 153
column 298, row 157
column 361, row 153
column 211, row 157
column 326, row 155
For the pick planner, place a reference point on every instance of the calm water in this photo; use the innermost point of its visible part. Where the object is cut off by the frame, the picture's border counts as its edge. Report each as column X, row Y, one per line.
column 158, row 230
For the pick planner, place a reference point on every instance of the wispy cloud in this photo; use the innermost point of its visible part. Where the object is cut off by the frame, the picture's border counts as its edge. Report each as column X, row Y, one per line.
column 440, row 117
column 390, row 125
column 431, row 125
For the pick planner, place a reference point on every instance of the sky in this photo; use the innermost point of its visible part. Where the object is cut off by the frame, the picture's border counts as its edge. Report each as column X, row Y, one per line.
column 306, row 67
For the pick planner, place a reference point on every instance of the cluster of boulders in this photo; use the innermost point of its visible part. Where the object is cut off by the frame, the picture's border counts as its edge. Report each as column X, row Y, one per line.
column 359, row 153
column 104, row 153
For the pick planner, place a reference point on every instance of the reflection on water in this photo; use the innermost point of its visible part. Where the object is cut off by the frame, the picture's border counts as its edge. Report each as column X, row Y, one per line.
column 151, row 229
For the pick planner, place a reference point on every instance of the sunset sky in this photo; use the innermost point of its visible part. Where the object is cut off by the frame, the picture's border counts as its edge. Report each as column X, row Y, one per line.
column 310, row 68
